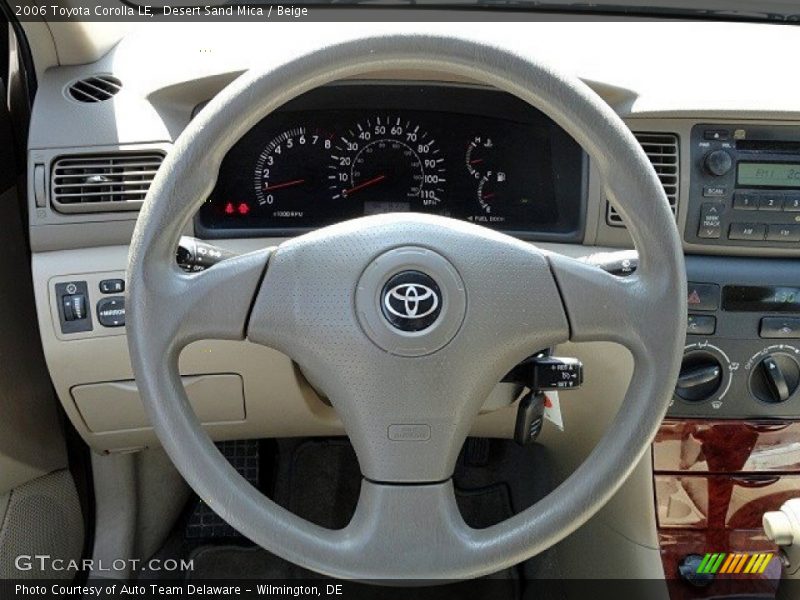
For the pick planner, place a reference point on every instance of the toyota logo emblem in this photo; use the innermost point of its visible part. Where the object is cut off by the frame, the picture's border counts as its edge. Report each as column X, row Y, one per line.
column 411, row 301
column 410, row 297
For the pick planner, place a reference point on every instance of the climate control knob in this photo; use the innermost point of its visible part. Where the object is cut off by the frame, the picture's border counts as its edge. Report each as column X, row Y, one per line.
column 700, row 377
column 718, row 162
column 775, row 378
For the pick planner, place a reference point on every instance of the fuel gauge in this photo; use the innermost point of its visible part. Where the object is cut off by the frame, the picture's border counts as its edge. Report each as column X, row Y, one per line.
column 490, row 188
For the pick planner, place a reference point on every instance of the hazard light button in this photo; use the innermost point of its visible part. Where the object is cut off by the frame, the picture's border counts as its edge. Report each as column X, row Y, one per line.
column 703, row 296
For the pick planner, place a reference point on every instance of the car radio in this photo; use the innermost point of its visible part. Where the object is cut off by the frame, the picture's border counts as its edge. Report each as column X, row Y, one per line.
column 744, row 186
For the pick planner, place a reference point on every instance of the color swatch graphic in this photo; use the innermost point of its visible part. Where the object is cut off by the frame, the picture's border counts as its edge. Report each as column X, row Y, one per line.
column 735, row 563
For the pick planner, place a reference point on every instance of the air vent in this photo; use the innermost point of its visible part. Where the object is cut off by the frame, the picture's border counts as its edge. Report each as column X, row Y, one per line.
column 662, row 150
column 102, row 182
column 94, row 89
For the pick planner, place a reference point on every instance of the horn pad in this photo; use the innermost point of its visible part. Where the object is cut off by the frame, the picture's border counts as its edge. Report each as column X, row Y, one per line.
column 411, row 301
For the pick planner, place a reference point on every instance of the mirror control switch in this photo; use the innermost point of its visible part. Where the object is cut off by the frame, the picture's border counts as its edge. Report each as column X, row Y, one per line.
column 111, row 311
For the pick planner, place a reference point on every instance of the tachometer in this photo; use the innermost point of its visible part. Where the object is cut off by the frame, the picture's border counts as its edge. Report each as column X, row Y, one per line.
column 288, row 171
column 387, row 163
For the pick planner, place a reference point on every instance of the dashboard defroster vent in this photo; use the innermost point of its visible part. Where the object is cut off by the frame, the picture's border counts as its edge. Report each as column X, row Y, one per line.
column 662, row 150
column 94, row 89
column 102, row 182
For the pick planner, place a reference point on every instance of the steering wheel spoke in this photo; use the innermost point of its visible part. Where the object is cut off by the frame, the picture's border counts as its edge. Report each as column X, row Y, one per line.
column 601, row 306
column 398, row 528
column 211, row 304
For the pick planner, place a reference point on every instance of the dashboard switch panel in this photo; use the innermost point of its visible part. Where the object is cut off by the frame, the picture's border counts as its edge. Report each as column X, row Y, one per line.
column 71, row 300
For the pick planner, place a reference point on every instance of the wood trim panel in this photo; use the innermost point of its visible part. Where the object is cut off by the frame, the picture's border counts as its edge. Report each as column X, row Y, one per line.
column 713, row 482
column 727, row 446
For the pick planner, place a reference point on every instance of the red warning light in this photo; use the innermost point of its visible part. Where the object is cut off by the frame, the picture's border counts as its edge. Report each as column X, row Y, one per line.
column 229, row 210
column 243, row 208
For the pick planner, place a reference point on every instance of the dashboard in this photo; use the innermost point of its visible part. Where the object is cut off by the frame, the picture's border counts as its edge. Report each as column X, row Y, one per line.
column 421, row 141
column 741, row 249
column 345, row 151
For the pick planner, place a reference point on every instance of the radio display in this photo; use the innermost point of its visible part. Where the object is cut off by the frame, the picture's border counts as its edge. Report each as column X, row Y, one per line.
column 785, row 175
column 745, row 298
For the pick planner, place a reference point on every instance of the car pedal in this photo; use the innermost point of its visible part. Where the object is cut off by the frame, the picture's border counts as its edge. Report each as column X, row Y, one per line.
column 204, row 523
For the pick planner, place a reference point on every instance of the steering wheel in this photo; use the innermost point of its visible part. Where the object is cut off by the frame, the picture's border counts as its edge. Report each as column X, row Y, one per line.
column 346, row 303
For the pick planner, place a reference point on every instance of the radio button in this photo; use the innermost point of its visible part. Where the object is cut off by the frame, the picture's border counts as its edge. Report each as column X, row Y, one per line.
column 792, row 203
column 753, row 232
column 715, row 191
column 716, row 134
column 745, row 200
column 770, row 202
column 783, row 233
column 780, row 327
column 710, row 221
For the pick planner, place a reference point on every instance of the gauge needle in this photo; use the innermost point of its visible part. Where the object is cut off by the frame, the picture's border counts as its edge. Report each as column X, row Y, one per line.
column 367, row 183
column 488, row 195
column 285, row 184
column 476, row 161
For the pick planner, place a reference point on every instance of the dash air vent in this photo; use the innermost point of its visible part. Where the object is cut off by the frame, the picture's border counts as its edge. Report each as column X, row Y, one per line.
column 94, row 89
column 102, row 182
column 662, row 150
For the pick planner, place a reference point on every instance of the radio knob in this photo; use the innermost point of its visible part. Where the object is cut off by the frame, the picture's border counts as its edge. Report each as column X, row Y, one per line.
column 718, row 162
column 775, row 378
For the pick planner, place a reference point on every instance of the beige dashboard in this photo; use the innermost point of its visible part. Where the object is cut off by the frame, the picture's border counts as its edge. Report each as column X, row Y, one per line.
column 240, row 390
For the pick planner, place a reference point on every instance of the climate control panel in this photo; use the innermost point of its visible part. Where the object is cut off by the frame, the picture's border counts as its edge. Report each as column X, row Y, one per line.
column 742, row 353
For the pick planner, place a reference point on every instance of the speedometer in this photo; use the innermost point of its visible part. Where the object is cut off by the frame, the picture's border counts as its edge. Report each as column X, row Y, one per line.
column 387, row 164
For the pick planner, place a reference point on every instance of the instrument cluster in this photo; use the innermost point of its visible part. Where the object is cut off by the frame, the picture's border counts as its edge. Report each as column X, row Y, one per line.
column 346, row 151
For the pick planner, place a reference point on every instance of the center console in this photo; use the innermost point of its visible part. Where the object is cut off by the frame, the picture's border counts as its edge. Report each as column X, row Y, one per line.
column 727, row 452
